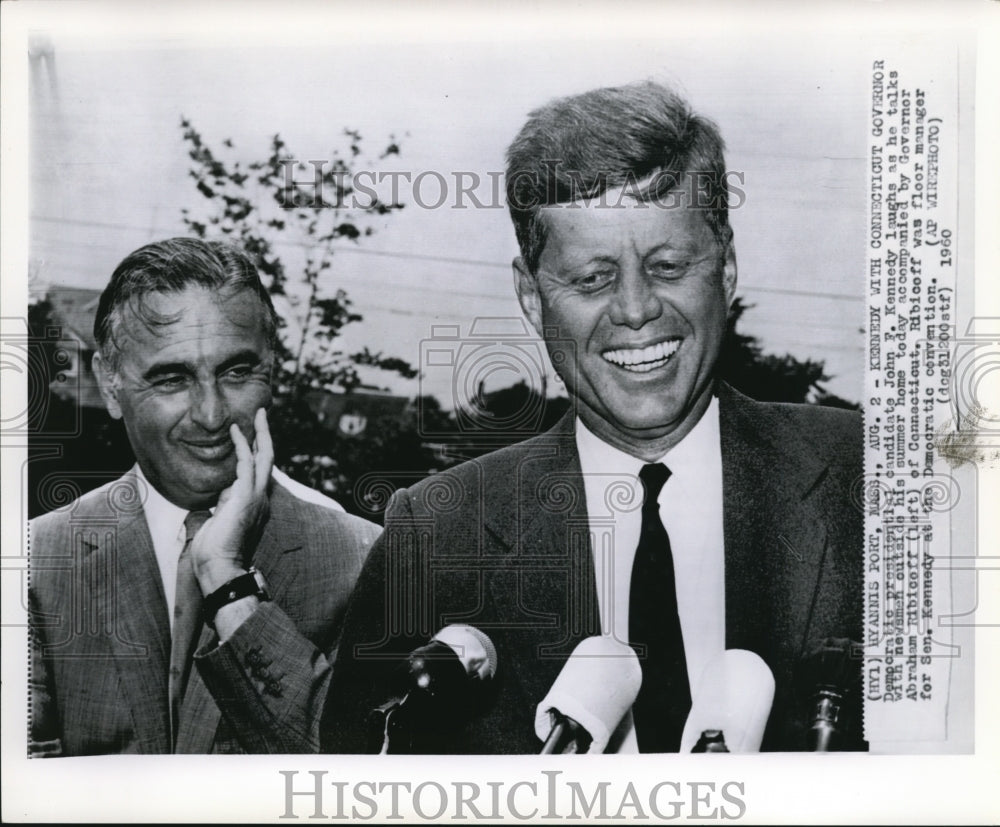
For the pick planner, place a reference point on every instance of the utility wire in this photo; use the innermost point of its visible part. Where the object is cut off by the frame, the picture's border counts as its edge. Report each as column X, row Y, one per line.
column 467, row 262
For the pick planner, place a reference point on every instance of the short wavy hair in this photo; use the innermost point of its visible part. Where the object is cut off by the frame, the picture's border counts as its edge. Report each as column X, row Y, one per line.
column 171, row 266
column 580, row 146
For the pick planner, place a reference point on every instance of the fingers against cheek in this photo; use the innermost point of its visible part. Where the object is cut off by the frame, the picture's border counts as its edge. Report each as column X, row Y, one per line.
column 263, row 439
column 244, row 458
column 264, row 449
column 240, row 441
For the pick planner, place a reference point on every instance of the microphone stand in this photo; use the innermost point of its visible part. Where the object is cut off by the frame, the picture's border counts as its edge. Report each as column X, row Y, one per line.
column 824, row 734
column 567, row 737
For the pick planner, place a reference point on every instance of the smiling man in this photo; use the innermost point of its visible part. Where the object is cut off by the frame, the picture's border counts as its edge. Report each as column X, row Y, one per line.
column 193, row 605
column 640, row 293
column 666, row 510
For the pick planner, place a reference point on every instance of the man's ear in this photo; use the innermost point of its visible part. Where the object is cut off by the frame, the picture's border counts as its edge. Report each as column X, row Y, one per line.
column 526, row 286
column 729, row 270
column 107, row 381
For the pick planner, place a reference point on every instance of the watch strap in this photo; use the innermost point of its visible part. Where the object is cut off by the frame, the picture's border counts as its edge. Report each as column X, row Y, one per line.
column 251, row 584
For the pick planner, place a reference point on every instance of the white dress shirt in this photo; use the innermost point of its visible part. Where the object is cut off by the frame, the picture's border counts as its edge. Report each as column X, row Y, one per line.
column 166, row 528
column 691, row 511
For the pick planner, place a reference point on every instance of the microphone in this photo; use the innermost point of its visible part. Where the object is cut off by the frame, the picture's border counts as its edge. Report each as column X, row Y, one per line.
column 827, row 676
column 434, row 691
column 733, row 697
column 596, row 687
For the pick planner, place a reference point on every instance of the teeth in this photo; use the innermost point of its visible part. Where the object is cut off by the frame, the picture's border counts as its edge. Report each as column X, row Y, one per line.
column 642, row 360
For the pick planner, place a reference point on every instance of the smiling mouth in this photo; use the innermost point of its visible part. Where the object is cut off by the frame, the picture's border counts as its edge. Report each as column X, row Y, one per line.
column 214, row 450
column 643, row 359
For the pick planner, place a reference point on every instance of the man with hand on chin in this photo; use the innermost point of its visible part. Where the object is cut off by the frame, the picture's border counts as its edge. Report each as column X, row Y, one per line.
column 666, row 510
column 194, row 605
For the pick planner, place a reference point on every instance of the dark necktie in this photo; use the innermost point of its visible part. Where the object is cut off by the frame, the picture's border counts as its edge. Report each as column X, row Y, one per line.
column 664, row 700
column 187, row 620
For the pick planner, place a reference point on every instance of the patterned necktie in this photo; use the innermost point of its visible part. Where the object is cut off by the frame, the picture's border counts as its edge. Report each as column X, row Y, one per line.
column 187, row 620
column 664, row 701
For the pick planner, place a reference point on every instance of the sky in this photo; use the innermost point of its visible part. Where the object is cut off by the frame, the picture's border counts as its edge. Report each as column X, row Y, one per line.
column 108, row 167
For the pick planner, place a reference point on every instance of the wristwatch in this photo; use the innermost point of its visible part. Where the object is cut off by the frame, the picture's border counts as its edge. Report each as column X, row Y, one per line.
column 251, row 584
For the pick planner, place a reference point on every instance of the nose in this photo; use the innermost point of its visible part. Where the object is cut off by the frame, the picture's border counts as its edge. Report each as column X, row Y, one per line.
column 209, row 408
column 635, row 301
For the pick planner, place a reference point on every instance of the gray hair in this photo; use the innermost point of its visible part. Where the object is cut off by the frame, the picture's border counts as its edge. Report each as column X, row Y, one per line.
column 169, row 267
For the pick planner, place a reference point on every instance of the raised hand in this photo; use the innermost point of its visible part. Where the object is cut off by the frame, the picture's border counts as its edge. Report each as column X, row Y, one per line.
column 219, row 547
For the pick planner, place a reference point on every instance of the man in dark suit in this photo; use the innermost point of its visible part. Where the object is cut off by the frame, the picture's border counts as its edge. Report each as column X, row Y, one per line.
column 666, row 509
column 194, row 605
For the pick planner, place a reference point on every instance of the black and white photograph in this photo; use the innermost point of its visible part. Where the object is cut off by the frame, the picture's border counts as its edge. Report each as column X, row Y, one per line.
column 393, row 394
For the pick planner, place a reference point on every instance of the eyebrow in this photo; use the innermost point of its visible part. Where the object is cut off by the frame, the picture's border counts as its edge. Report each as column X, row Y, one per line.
column 251, row 357
column 575, row 263
column 248, row 356
column 165, row 369
column 669, row 246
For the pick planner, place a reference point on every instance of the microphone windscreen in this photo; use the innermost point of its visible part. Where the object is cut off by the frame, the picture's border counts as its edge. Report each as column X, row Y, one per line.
column 474, row 649
column 596, row 687
column 734, row 695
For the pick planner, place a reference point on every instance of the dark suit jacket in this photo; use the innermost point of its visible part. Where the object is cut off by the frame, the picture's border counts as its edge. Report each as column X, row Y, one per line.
column 502, row 543
column 101, row 637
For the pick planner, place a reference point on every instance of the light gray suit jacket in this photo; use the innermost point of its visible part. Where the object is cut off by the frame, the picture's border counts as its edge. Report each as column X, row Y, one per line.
column 101, row 637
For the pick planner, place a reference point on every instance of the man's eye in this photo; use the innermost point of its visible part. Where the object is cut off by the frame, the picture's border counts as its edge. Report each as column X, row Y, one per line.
column 667, row 269
column 170, row 383
column 239, row 372
column 589, row 282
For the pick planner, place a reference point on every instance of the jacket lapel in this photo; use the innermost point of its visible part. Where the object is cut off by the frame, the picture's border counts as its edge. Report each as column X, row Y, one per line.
column 282, row 534
column 130, row 608
column 545, row 597
column 774, row 541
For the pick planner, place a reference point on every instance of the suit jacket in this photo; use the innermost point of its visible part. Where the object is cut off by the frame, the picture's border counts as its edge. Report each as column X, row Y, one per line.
column 502, row 543
column 101, row 636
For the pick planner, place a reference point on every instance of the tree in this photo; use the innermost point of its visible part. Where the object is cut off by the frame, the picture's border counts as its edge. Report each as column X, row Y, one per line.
column 292, row 217
column 742, row 363
column 263, row 205
column 72, row 448
column 767, row 376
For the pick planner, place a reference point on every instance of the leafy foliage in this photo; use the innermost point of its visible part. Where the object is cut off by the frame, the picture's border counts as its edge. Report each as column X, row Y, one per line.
column 767, row 376
column 72, row 448
column 306, row 211
column 292, row 217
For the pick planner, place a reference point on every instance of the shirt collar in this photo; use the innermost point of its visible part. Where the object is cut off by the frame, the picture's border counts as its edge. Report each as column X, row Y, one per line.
column 164, row 518
column 688, row 455
column 691, row 455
